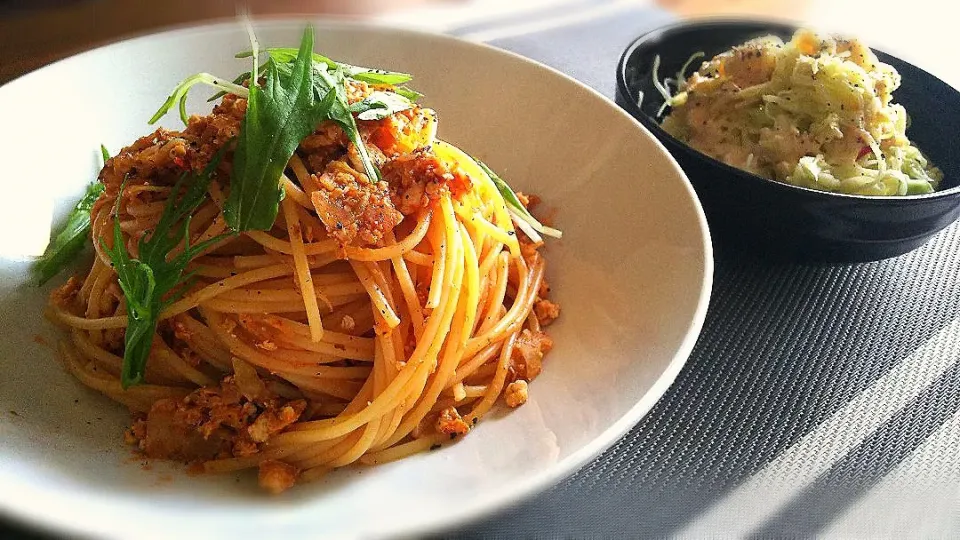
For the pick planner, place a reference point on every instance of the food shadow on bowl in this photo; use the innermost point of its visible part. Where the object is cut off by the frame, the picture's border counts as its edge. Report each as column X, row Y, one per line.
column 787, row 222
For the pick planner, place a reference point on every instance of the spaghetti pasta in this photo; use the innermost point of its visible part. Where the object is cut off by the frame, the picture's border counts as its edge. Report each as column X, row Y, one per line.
column 307, row 344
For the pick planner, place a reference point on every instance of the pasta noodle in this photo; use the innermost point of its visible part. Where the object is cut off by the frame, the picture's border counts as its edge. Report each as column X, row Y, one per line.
column 300, row 349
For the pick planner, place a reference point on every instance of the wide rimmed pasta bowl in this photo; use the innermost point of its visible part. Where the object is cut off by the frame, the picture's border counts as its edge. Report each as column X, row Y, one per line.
column 633, row 273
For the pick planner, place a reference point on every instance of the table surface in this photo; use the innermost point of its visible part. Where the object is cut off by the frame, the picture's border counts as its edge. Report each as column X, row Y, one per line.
column 820, row 399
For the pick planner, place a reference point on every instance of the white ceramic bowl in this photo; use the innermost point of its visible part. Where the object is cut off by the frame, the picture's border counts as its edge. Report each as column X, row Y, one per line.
column 633, row 274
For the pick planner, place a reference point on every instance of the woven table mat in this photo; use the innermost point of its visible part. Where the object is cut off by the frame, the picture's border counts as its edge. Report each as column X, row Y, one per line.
column 819, row 400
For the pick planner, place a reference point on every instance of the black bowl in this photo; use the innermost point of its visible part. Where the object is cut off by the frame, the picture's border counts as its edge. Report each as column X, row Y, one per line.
column 785, row 220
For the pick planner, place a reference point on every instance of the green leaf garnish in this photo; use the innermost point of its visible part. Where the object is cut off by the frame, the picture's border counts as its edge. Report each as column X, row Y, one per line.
column 285, row 55
column 330, row 86
column 70, row 239
column 238, row 81
column 179, row 95
column 154, row 280
column 379, row 105
column 408, row 93
column 339, row 112
column 279, row 116
column 517, row 210
column 371, row 76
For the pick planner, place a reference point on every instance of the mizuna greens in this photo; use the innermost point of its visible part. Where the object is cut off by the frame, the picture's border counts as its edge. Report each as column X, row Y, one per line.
column 71, row 238
column 521, row 216
column 154, row 279
column 280, row 114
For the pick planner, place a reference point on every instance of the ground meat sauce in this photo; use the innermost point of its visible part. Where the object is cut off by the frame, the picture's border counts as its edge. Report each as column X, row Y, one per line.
column 418, row 178
column 238, row 415
column 216, row 422
column 528, row 352
column 161, row 157
column 354, row 209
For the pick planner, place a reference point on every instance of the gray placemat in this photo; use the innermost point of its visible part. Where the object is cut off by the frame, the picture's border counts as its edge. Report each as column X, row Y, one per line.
column 819, row 400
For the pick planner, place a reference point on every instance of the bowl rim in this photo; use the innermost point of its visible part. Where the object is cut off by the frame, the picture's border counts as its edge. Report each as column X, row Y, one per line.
column 623, row 91
column 488, row 505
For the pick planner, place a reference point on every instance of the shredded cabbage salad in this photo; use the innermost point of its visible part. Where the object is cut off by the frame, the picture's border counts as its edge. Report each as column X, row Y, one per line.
column 815, row 112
